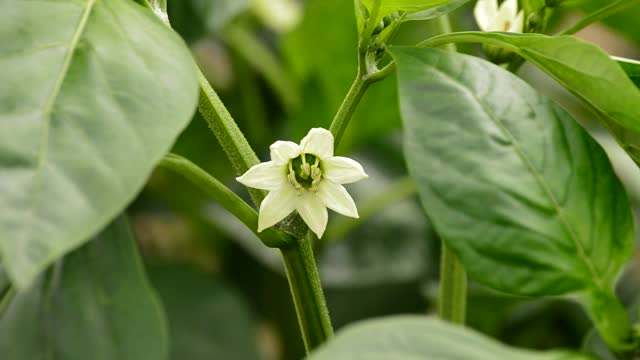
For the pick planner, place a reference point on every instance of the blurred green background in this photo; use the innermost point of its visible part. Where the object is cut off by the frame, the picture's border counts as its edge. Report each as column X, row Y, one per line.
column 281, row 67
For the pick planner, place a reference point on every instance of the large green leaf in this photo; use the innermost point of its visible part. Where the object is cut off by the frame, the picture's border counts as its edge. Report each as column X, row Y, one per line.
column 207, row 319
column 389, row 6
column 523, row 195
column 94, row 304
column 417, row 337
column 92, row 94
column 585, row 70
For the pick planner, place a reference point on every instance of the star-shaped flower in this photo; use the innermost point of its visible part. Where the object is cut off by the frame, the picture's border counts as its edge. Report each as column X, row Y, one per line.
column 490, row 17
column 306, row 178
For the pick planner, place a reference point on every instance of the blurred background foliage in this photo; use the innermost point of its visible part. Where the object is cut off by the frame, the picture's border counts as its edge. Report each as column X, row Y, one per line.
column 281, row 67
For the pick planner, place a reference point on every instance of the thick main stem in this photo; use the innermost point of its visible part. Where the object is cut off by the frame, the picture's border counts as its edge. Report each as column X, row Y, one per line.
column 306, row 290
column 225, row 129
column 453, row 287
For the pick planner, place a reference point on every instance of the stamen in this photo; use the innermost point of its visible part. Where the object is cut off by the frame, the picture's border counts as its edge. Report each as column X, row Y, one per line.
column 306, row 170
column 292, row 178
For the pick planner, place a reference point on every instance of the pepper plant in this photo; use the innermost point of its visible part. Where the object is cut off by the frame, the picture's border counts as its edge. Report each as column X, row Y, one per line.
column 94, row 94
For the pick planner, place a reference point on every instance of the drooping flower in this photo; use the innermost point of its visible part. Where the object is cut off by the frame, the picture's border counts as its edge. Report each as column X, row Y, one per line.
column 507, row 18
column 306, row 178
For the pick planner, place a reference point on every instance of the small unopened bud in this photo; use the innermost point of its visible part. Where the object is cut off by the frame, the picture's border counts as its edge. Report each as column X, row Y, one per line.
column 534, row 21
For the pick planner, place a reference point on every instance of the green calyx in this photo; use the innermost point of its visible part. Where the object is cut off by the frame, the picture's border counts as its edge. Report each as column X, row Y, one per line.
column 304, row 172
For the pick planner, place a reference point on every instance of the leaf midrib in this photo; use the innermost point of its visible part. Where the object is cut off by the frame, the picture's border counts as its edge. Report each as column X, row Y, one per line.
column 46, row 111
column 539, row 179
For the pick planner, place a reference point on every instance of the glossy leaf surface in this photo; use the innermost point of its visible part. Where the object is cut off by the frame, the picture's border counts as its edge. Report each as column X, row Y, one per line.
column 94, row 303
column 513, row 202
column 88, row 105
column 516, row 187
column 585, row 70
column 417, row 337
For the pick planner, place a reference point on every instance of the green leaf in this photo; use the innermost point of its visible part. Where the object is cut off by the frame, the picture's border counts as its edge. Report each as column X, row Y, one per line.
column 94, row 304
column 586, row 71
column 436, row 11
column 419, row 337
column 631, row 67
column 389, row 6
column 93, row 94
column 206, row 318
column 524, row 196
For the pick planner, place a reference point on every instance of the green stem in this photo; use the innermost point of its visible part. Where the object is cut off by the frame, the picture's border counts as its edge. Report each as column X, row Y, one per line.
column 453, row 287
column 229, row 136
column 600, row 14
column 348, row 107
column 226, row 198
column 445, row 28
column 302, row 271
column 453, row 278
column 306, row 290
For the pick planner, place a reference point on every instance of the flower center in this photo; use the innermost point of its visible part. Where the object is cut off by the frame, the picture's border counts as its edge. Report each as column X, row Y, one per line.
column 305, row 173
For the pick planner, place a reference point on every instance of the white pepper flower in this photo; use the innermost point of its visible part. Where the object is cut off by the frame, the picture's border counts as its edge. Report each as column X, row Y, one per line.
column 507, row 18
column 306, row 178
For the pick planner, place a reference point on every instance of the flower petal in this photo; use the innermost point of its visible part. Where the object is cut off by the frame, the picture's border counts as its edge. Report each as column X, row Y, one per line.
column 509, row 8
column 505, row 17
column 265, row 176
column 276, row 206
column 313, row 212
column 335, row 197
column 485, row 11
column 318, row 142
column 518, row 24
column 342, row 170
column 283, row 151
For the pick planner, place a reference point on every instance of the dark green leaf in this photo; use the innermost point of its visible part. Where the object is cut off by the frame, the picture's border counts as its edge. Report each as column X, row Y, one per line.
column 585, row 70
column 523, row 195
column 418, row 337
column 94, row 304
column 93, row 94
column 206, row 319
column 436, row 11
